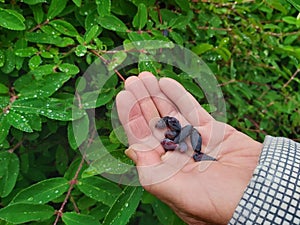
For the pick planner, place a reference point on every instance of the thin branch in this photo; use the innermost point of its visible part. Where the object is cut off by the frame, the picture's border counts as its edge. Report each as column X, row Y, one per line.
column 16, row 146
column 59, row 213
column 106, row 62
column 292, row 78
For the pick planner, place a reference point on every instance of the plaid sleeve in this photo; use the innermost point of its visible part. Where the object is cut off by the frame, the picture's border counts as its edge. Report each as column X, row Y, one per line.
column 273, row 194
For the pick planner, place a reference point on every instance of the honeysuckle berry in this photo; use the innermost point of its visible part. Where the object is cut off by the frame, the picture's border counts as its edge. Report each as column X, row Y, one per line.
column 168, row 144
column 196, row 140
column 171, row 134
column 199, row 156
column 184, row 133
column 182, row 147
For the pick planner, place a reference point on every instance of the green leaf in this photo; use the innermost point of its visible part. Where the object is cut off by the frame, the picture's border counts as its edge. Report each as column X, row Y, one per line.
column 18, row 121
column 42, row 192
column 34, row 121
column 29, row 87
column 113, row 23
column 80, row 50
column 11, row 19
column 64, row 27
column 57, row 109
column 140, row 19
column 103, row 7
column 56, row 7
column 99, row 189
column 78, row 131
column 26, row 52
column 179, row 22
column 91, row 33
column 202, row 48
column 124, row 206
column 38, row 13
column 4, row 127
column 116, row 60
column 77, row 2
column 164, row 214
column 43, row 38
column 183, row 4
column 22, row 213
column 145, row 64
column 96, row 99
column 3, row 89
column 34, row 62
column 34, row 2
column 224, row 52
column 68, row 68
column 72, row 218
column 2, row 58
column 42, row 71
column 61, row 159
column 9, row 171
column 295, row 4
column 10, row 62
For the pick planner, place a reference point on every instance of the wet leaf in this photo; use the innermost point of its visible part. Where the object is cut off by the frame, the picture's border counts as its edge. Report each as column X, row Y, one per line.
column 140, row 19
column 26, row 52
column 72, row 218
column 55, row 8
column 113, row 23
column 42, row 192
column 9, row 171
column 4, row 127
column 22, row 213
column 124, row 206
column 78, row 131
column 18, row 121
column 11, row 19
column 64, row 27
column 103, row 7
column 99, row 189
column 3, row 89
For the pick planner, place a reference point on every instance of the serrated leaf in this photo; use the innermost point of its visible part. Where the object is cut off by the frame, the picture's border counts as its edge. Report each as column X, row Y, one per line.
column 99, row 189
column 140, row 19
column 29, row 87
column 22, row 213
column 34, row 2
column 77, row 2
column 18, row 121
column 57, row 109
column 26, row 52
column 64, row 27
column 4, row 127
column 113, row 23
column 11, row 19
column 55, row 8
column 103, row 7
column 124, row 206
column 8, row 173
column 42, row 192
column 78, row 131
column 72, row 218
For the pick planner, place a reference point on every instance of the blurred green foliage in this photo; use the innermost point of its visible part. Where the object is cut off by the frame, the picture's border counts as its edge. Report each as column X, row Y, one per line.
column 251, row 46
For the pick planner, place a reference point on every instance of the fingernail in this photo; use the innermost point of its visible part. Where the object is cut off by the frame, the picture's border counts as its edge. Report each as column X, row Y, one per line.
column 131, row 154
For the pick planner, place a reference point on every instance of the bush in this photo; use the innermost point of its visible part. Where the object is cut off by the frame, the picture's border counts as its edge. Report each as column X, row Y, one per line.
column 252, row 47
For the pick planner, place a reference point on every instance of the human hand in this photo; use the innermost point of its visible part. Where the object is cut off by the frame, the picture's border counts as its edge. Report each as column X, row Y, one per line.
column 205, row 192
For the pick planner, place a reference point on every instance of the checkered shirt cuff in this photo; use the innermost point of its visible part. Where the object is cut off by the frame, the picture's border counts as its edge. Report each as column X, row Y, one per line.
column 273, row 194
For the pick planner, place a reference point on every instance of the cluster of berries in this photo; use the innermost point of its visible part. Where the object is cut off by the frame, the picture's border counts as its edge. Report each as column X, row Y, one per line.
column 175, row 138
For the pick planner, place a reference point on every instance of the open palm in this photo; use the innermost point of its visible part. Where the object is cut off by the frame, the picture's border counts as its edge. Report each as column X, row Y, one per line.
column 205, row 192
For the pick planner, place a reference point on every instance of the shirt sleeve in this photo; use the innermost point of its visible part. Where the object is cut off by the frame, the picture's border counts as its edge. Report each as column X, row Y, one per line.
column 273, row 194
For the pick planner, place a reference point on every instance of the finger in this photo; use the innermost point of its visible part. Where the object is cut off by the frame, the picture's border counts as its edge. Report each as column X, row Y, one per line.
column 185, row 102
column 162, row 103
column 137, row 128
column 137, row 88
